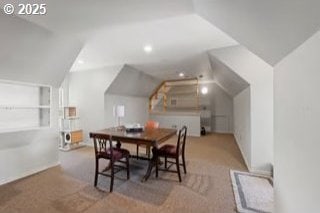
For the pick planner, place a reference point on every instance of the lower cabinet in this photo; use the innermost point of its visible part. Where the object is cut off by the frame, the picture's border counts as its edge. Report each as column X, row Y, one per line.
column 70, row 139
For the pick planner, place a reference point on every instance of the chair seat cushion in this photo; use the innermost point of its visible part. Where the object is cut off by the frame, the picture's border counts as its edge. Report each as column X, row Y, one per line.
column 167, row 150
column 117, row 154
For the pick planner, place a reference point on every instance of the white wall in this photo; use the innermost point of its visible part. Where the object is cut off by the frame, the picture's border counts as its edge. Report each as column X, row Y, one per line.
column 30, row 53
column 136, row 109
column 178, row 120
column 297, row 116
column 26, row 152
column 242, row 123
column 86, row 92
column 260, row 77
column 221, row 106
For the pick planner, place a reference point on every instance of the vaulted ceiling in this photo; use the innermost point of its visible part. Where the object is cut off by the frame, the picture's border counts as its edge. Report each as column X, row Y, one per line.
column 226, row 78
column 195, row 65
column 181, row 32
column 83, row 16
column 172, row 39
column 271, row 29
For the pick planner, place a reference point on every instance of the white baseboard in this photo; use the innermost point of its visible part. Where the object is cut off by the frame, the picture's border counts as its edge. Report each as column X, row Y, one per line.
column 252, row 170
column 28, row 173
column 260, row 172
column 242, row 153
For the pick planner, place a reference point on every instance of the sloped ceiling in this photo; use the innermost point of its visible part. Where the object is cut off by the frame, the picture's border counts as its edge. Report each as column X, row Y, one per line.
column 132, row 82
column 32, row 54
column 246, row 64
column 192, row 67
column 270, row 29
column 172, row 39
column 180, row 31
column 83, row 16
column 226, row 78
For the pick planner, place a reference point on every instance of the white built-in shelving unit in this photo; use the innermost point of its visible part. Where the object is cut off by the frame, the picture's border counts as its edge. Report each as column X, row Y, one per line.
column 24, row 106
column 71, row 135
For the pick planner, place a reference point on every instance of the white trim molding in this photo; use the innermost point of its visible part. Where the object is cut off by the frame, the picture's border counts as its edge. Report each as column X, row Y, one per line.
column 28, row 173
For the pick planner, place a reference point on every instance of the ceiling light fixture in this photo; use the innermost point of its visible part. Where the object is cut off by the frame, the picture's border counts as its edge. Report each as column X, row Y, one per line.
column 181, row 74
column 147, row 48
column 80, row 61
column 204, row 90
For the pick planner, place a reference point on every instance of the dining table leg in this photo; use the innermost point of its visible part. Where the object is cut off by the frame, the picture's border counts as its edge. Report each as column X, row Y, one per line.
column 118, row 144
column 152, row 163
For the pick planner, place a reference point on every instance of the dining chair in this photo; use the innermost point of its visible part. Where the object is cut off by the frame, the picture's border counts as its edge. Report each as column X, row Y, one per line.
column 169, row 151
column 104, row 149
column 150, row 124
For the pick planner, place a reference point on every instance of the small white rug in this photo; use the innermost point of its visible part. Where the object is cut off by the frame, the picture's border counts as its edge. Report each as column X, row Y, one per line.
column 253, row 193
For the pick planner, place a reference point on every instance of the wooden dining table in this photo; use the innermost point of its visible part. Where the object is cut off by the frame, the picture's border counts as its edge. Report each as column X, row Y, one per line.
column 149, row 137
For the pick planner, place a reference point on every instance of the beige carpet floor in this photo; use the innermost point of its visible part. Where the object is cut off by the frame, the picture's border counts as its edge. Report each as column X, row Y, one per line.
column 69, row 188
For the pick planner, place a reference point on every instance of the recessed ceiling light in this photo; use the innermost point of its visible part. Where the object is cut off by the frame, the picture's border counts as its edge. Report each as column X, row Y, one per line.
column 80, row 61
column 204, row 90
column 147, row 48
column 181, row 74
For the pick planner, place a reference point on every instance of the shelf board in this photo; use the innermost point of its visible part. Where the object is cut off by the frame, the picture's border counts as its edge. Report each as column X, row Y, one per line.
column 70, row 118
column 24, row 83
column 24, row 107
column 24, row 129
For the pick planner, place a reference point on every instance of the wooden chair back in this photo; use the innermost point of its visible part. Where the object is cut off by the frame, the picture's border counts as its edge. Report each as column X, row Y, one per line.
column 181, row 140
column 103, row 145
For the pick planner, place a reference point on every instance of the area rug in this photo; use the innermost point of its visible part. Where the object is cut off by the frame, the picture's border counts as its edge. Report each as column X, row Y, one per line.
column 253, row 193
